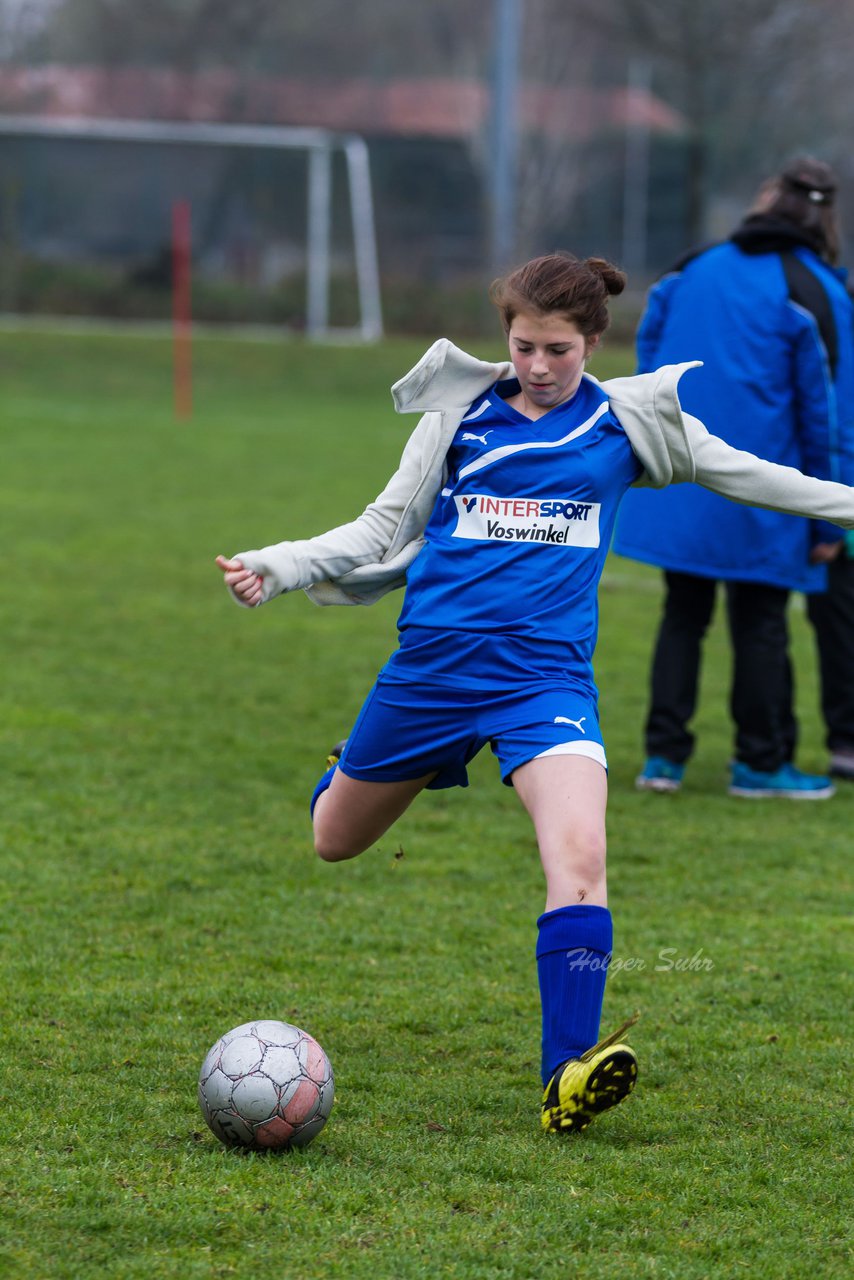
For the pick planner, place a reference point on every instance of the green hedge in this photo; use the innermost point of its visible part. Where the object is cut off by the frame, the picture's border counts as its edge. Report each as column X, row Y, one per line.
column 29, row 286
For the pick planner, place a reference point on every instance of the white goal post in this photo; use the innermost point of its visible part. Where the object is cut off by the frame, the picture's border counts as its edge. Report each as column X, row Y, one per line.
column 320, row 145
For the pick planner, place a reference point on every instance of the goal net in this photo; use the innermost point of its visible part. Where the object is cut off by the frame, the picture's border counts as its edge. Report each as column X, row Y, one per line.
column 282, row 221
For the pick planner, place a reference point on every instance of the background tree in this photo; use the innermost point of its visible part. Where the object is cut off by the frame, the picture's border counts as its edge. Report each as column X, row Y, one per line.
column 754, row 81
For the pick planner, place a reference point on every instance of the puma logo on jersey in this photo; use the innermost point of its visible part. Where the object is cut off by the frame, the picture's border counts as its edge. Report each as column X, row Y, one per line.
column 471, row 435
column 576, row 723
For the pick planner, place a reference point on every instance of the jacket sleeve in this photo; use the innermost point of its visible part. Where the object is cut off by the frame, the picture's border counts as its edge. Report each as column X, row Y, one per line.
column 744, row 478
column 290, row 566
column 652, row 323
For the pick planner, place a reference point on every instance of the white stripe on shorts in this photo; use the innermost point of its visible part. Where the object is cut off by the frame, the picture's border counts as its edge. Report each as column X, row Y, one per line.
column 593, row 751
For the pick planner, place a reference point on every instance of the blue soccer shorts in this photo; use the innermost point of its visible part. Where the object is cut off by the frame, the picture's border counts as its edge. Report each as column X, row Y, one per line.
column 405, row 730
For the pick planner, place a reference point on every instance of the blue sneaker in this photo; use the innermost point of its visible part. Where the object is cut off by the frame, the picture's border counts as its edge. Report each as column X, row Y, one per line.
column 659, row 774
column 787, row 781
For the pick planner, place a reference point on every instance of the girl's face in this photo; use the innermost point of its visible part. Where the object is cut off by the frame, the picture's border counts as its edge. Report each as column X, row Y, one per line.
column 548, row 354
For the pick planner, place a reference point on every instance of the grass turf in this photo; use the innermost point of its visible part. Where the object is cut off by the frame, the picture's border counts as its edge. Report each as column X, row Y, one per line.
column 158, row 748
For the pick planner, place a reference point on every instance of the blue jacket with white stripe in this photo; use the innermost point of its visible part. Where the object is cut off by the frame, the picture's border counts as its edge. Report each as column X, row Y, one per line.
column 774, row 327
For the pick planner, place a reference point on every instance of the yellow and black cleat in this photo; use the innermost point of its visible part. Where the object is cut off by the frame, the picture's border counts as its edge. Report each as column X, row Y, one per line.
column 583, row 1087
column 336, row 753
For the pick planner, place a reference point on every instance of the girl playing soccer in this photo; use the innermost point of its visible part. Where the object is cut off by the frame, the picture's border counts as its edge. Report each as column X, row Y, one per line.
column 497, row 522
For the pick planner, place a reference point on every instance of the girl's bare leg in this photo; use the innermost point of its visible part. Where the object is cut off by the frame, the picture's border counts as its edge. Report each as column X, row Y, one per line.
column 350, row 815
column 566, row 797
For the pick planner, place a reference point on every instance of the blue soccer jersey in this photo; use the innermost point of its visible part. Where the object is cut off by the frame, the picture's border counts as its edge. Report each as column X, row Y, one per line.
column 505, row 587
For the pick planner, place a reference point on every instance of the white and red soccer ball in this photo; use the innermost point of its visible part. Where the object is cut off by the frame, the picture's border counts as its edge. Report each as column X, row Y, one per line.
column 266, row 1085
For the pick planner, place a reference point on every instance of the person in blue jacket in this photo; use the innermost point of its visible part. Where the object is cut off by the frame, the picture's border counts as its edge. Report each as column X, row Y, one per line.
column 770, row 317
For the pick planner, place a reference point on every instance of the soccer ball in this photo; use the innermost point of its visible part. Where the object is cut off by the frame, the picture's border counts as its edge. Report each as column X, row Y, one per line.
column 266, row 1085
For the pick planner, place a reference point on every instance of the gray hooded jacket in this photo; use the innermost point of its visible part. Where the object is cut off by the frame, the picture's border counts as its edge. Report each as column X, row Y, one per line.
column 359, row 562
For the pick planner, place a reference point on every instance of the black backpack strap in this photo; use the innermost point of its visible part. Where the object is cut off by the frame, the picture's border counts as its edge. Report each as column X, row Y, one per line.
column 807, row 291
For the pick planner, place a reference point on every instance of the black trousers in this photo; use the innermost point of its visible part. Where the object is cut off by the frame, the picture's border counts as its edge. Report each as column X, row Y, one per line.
column 761, row 690
column 832, row 618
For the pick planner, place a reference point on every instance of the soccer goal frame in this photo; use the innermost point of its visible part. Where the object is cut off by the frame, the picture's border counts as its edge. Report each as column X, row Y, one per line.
column 319, row 145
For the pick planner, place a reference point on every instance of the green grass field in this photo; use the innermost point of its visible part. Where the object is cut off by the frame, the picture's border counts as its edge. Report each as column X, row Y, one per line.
column 158, row 749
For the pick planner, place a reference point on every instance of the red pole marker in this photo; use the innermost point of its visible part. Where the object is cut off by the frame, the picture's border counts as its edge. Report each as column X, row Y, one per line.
column 181, row 310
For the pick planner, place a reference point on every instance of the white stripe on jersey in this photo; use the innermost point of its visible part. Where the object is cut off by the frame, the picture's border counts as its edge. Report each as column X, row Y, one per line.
column 495, row 455
column 476, row 412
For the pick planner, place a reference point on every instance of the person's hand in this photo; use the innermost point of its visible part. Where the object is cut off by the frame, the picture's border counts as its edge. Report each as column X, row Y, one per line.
column 824, row 552
column 243, row 582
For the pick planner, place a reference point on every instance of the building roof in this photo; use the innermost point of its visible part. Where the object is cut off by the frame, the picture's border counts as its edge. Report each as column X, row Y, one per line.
column 429, row 107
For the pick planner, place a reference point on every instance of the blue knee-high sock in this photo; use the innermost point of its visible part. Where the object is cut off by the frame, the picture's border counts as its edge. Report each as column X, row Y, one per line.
column 321, row 787
column 573, row 950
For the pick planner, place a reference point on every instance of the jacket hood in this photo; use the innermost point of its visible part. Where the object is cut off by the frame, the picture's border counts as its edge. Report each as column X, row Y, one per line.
column 647, row 407
column 760, row 234
column 445, row 378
